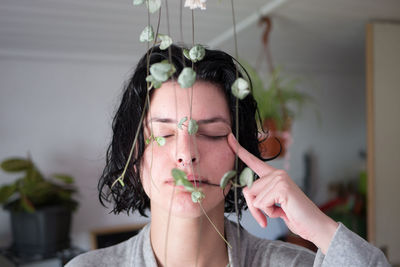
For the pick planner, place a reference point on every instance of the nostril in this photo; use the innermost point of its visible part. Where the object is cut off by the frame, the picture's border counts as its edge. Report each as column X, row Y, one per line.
column 193, row 159
column 180, row 160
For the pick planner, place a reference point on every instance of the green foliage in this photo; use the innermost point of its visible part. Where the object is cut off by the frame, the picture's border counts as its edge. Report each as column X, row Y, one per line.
column 181, row 122
column 240, row 88
column 196, row 53
column 187, row 77
column 280, row 100
column 193, row 127
column 166, row 41
column 162, row 71
column 138, row 2
column 246, row 178
column 180, row 179
column 33, row 190
column 153, row 5
column 153, row 82
column 147, row 34
column 197, row 196
column 159, row 140
column 226, row 178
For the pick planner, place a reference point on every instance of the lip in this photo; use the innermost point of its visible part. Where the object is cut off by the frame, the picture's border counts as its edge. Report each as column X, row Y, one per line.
column 197, row 181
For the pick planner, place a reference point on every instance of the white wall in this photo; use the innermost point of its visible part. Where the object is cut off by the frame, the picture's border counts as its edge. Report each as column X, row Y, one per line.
column 385, row 134
column 60, row 111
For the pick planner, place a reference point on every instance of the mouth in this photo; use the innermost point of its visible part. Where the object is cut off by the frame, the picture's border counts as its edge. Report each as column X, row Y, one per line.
column 197, row 181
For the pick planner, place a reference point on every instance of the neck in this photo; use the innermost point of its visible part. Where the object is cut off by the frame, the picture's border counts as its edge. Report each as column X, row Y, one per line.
column 188, row 241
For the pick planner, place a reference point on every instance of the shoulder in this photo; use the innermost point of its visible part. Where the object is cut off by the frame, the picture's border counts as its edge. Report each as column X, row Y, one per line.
column 117, row 255
column 254, row 251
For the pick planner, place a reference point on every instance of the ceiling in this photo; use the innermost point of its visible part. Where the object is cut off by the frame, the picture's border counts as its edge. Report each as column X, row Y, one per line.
column 304, row 31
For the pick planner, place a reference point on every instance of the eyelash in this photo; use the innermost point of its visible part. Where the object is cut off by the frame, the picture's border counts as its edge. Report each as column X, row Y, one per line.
column 212, row 137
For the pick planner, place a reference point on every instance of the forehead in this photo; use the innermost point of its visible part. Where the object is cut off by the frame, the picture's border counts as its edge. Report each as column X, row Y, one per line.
column 172, row 101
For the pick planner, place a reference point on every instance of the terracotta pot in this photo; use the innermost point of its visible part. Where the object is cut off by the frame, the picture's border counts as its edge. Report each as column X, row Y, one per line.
column 276, row 139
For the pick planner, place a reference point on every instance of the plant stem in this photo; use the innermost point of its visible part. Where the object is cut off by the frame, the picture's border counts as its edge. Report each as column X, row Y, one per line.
column 215, row 227
column 237, row 129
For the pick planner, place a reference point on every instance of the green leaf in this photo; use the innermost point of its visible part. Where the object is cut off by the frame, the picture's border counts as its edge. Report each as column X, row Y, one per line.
column 240, row 88
column 197, row 196
column 246, row 177
column 16, row 165
column 166, row 41
column 162, row 71
column 153, row 5
column 186, row 53
column 160, row 140
column 181, row 122
column 226, row 178
column 65, row 178
column 187, row 78
column 26, row 204
column 180, row 179
column 34, row 174
column 178, row 174
column 147, row 141
column 197, row 53
column 147, row 34
column 193, row 127
column 7, row 191
column 138, row 2
column 121, row 181
column 154, row 83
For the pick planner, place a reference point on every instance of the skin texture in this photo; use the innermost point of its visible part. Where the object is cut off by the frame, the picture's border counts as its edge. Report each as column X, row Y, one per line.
column 275, row 186
column 209, row 156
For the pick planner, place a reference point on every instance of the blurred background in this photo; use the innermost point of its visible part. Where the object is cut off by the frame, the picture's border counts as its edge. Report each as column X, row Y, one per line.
column 63, row 65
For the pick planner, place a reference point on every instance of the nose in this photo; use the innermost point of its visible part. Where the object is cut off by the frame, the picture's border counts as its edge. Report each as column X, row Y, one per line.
column 186, row 152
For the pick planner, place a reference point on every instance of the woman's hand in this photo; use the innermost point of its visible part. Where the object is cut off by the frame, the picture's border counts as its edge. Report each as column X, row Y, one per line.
column 276, row 195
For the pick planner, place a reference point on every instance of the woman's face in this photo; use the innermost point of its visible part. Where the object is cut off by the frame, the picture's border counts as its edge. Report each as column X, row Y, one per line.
column 208, row 150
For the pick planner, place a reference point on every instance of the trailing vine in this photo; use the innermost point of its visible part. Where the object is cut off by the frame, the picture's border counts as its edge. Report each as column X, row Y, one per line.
column 163, row 71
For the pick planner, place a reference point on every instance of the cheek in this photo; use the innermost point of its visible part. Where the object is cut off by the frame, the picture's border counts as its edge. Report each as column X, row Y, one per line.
column 218, row 153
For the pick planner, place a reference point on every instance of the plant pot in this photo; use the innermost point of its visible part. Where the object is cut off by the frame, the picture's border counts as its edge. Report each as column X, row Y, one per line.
column 42, row 232
column 277, row 139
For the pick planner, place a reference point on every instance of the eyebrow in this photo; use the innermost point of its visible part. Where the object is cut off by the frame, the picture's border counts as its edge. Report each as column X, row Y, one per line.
column 205, row 121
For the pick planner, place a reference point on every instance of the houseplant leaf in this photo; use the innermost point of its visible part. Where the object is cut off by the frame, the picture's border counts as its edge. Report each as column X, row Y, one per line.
column 147, row 34
column 16, row 164
column 246, row 177
column 196, row 53
column 226, row 178
column 64, row 178
column 197, row 196
column 166, row 41
column 240, row 88
column 180, row 179
column 187, row 77
column 153, row 5
column 6, row 191
column 193, row 127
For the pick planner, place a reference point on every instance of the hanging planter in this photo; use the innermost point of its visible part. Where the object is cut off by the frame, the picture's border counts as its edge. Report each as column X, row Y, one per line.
column 279, row 102
column 277, row 140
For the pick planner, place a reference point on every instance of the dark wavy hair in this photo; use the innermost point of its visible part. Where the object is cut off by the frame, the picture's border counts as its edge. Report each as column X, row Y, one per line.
column 216, row 67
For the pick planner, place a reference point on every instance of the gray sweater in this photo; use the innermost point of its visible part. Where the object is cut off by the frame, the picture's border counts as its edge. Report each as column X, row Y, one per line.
column 346, row 249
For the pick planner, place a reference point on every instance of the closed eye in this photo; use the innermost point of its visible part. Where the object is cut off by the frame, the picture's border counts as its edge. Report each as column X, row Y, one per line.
column 213, row 137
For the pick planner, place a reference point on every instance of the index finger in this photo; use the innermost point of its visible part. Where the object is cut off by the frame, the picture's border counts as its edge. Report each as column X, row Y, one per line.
column 258, row 166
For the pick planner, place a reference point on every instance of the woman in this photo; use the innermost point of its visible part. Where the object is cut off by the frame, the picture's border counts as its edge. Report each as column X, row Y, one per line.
column 180, row 234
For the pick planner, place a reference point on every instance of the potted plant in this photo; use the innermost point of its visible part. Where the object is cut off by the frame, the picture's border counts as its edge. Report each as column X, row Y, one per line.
column 40, row 208
column 279, row 102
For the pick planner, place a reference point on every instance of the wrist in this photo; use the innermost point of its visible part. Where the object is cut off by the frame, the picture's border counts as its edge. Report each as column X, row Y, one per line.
column 326, row 230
